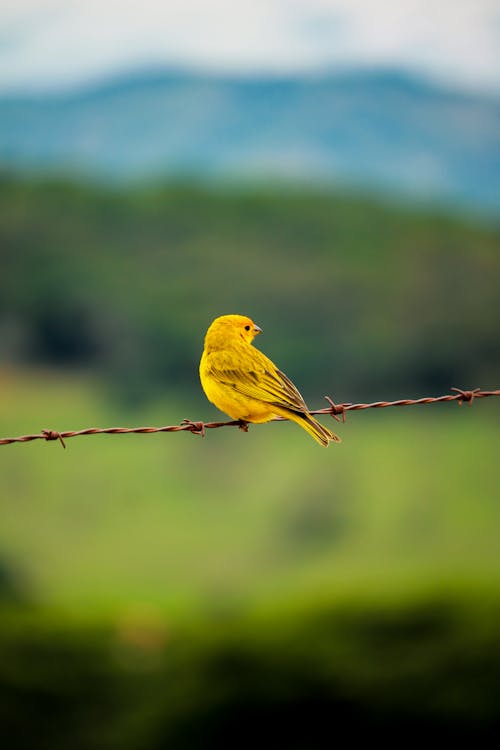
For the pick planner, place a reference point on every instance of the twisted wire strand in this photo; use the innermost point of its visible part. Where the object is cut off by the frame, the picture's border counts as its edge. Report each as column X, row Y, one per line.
column 337, row 411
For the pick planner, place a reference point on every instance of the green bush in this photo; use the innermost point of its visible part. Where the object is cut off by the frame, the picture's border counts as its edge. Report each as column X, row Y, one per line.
column 297, row 679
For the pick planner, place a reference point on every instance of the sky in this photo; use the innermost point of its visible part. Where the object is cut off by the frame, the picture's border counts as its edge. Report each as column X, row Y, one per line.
column 60, row 43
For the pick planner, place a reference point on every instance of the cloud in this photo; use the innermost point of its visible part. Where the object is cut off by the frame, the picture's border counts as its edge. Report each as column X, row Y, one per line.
column 58, row 42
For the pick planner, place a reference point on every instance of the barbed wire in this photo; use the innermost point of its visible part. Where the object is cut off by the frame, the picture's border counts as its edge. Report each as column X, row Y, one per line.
column 337, row 411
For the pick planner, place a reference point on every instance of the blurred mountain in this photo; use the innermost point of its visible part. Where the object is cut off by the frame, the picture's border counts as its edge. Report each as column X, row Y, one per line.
column 382, row 130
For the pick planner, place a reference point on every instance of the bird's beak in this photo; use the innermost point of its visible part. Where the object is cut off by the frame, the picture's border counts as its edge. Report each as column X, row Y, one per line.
column 257, row 330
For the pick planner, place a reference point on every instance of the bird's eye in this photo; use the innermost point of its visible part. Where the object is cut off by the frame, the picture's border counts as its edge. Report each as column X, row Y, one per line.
column 247, row 328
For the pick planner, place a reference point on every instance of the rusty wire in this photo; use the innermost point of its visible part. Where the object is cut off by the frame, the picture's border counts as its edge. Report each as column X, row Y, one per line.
column 337, row 411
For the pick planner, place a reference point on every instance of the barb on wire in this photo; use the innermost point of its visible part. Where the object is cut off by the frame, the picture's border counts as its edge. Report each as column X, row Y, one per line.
column 337, row 411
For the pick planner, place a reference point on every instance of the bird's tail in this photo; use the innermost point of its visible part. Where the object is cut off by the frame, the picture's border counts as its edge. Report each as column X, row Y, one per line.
column 319, row 432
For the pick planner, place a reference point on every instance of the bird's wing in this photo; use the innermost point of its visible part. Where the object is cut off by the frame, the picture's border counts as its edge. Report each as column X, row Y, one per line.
column 255, row 376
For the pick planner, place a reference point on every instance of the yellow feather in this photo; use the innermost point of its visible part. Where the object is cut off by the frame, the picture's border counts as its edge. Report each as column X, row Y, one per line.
column 245, row 384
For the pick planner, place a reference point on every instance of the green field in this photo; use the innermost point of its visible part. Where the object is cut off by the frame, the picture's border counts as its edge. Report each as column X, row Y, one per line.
column 237, row 521
column 175, row 591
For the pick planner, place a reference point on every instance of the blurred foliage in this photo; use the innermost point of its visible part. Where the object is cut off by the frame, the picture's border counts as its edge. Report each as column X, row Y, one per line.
column 353, row 295
column 181, row 547
column 189, row 593
column 297, row 678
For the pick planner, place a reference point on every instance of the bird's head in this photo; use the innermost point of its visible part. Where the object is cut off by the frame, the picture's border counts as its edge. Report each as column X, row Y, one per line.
column 233, row 327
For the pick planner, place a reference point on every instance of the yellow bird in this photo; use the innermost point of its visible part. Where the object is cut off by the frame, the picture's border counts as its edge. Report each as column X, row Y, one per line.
column 245, row 384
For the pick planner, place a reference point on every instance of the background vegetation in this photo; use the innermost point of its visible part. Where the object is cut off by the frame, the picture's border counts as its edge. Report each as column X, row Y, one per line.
column 354, row 296
column 169, row 589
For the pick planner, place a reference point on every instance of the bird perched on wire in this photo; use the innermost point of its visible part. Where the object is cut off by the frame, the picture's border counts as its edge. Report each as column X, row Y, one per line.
column 245, row 384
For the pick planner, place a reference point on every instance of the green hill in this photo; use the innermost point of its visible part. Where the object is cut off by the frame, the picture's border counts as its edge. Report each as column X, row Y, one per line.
column 355, row 297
